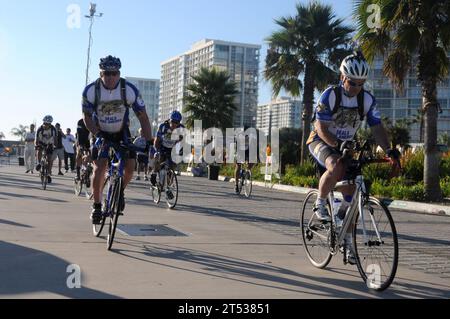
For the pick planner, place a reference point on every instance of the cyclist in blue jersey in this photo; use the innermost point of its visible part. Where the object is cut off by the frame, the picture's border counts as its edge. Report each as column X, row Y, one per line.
column 106, row 105
column 337, row 118
column 164, row 143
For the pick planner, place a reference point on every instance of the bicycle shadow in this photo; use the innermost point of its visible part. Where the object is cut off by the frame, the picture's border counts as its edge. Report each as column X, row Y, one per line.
column 10, row 223
column 26, row 270
column 236, row 216
column 259, row 274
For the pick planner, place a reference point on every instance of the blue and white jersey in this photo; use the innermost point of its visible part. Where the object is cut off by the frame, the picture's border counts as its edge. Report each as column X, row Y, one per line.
column 111, row 114
column 346, row 121
column 141, row 143
column 165, row 134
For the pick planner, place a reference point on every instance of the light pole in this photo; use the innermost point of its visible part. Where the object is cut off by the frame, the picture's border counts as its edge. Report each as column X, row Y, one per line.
column 91, row 16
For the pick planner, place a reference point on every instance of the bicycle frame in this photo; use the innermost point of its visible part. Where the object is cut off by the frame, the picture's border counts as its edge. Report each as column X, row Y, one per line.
column 356, row 207
column 116, row 169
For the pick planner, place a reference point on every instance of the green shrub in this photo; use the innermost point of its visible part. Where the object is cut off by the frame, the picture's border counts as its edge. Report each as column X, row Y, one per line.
column 373, row 172
column 445, row 167
column 413, row 166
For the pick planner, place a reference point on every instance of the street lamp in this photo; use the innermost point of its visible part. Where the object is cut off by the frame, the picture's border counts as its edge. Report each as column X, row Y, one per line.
column 91, row 16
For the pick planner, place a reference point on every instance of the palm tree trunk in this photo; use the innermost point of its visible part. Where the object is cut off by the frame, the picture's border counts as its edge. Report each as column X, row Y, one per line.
column 308, row 97
column 433, row 191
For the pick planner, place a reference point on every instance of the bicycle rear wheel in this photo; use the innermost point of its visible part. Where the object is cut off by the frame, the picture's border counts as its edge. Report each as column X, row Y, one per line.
column 247, row 183
column 171, row 189
column 315, row 234
column 376, row 260
column 116, row 197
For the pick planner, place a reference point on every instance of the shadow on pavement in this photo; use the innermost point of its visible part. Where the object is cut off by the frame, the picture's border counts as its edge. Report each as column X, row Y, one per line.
column 8, row 222
column 237, row 216
column 266, row 275
column 25, row 270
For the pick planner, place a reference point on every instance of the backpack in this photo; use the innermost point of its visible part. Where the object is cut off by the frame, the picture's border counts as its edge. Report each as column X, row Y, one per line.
column 338, row 93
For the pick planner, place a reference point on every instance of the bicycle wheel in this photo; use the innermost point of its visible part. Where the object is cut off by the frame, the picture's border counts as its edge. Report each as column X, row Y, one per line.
column 87, row 186
column 171, row 189
column 240, row 182
column 315, row 234
column 156, row 190
column 376, row 260
column 77, row 186
column 116, row 198
column 247, row 183
column 97, row 228
column 44, row 178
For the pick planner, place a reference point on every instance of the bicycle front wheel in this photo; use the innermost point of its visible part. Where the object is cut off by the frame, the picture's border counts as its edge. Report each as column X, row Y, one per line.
column 44, row 178
column 116, row 198
column 315, row 234
column 248, row 183
column 171, row 189
column 377, row 249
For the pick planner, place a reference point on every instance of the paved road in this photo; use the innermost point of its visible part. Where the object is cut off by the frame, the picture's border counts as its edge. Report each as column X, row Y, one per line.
column 223, row 247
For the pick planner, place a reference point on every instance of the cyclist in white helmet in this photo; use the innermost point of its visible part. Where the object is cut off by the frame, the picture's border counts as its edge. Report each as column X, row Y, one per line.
column 337, row 118
column 46, row 138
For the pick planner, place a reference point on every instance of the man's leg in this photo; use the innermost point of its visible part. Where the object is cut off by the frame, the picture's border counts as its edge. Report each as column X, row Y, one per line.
column 129, row 171
column 66, row 161
column 100, row 166
column 236, row 177
column 335, row 171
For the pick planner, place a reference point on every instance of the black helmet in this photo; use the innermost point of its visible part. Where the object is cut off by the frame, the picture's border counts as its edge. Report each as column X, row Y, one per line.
column 110, row 63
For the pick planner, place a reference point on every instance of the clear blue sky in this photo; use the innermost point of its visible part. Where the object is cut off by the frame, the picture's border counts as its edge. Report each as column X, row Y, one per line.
column 43, row 61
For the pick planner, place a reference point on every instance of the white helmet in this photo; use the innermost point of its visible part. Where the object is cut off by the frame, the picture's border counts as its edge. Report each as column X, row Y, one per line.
column 355, row 66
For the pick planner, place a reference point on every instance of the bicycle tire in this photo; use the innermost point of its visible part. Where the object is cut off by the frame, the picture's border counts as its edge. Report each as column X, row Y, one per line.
column 115, row 211
column 44, row 177
column 309, row 232
column 248, row 181
column 97, row 228
column 77, row 187
column 173, row 202
column 378, row 285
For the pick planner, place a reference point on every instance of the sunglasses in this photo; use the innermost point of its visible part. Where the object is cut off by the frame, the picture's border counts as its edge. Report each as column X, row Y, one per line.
column 174, row 122
column 110, row 73
column 354, row 84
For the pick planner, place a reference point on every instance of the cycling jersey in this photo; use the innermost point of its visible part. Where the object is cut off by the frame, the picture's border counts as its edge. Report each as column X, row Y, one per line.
column 141, row 143
column 111, row 114
column 345, row 121
column 82, row 134
column 165, row 134
column 46, row 136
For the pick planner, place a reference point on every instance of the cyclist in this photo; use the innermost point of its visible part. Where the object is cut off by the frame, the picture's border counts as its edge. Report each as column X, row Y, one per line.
column 83, row 146
column 106, row 106
column 163, row 143
column 142, row 158
column 46, row 137
column 243, row 142
column 337, row 118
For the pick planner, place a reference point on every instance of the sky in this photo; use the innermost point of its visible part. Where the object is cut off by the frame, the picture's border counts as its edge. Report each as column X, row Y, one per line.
column 43, row 45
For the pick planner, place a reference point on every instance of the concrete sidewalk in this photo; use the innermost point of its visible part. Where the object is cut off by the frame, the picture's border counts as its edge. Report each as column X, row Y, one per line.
column 415, row 207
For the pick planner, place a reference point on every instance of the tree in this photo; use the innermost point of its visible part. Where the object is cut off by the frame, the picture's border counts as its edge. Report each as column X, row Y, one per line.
column 313, row 43
column 399, row 132
column 211, row 99
column 289, row 146
column 444, row 139
column 2, row 135
column 410, row 29
column 21, row 131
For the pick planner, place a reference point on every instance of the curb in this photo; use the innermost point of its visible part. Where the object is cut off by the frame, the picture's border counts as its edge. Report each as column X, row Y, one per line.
column 413, row 207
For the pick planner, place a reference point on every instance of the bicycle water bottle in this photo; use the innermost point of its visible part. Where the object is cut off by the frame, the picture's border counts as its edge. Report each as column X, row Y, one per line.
column 162, row 176
column 336, row 205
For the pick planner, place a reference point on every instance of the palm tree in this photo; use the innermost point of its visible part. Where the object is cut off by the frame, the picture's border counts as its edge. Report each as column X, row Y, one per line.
column 21, row 131
column 411, row 29
column 313, row 44
column 210, row 99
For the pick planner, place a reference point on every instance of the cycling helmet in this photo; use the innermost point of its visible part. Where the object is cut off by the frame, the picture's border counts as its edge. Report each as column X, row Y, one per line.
column 355, row 66
column 176, row 116
column 48, row 119
column 110, row 63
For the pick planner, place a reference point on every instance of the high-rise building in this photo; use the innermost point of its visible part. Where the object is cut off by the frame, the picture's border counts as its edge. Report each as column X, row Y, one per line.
column 149, row 89
column 240, row 60
column 280, row 113
column 405, row 105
